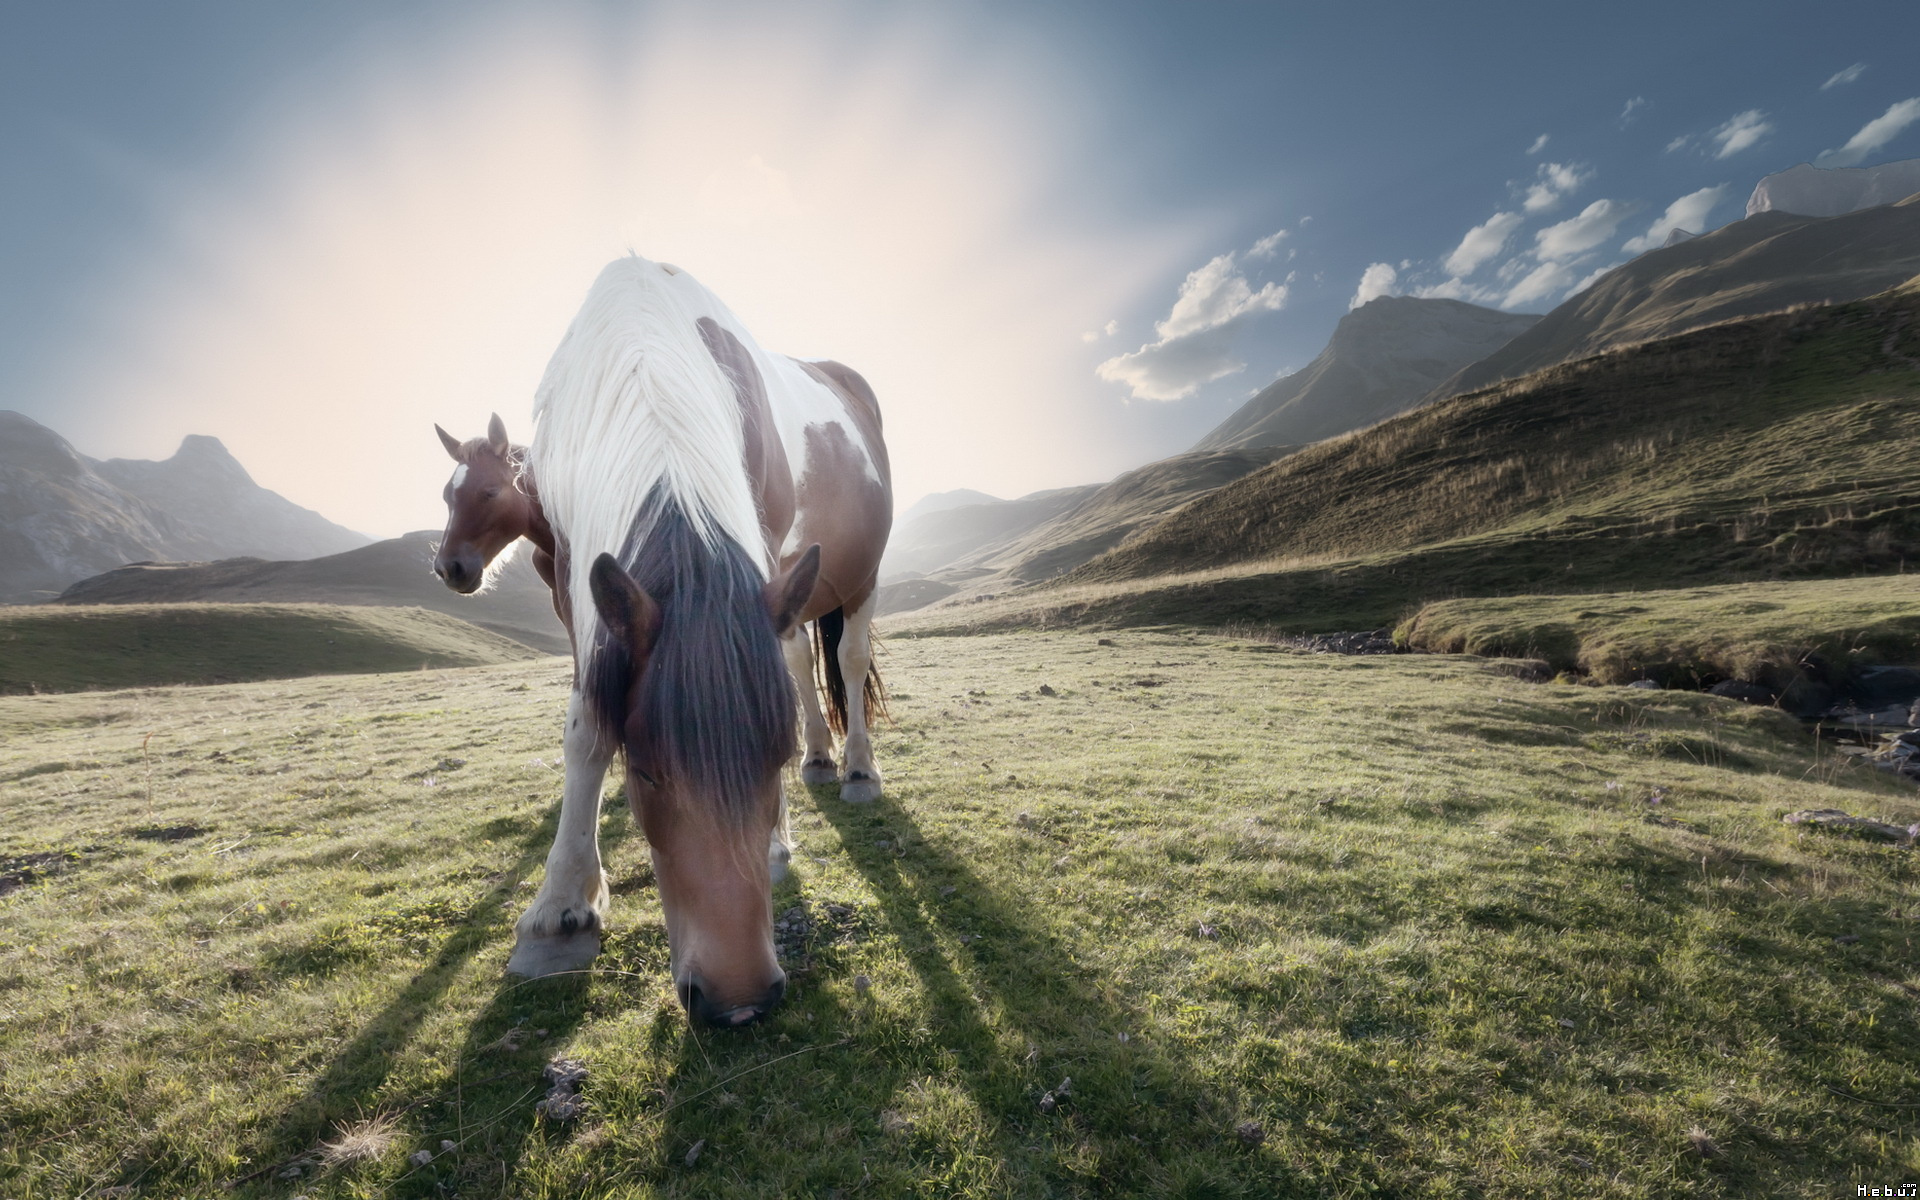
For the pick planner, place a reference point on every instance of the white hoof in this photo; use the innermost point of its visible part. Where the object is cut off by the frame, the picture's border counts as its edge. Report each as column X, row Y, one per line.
column 538, row 957
column 860, row 789
column 818, row 770
column 778, row 856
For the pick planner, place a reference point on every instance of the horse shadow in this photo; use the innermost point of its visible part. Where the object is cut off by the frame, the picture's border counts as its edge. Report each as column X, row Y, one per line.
column 972, row 950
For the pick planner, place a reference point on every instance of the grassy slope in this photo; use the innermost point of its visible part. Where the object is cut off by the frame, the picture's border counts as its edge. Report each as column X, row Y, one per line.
column 1449, row 949
column 63, row 649
column 1743, row 631
column 1778, row 446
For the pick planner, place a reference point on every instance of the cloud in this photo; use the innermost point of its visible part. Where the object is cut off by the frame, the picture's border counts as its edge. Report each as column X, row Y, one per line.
column 1873, row 135
column 1107, row 330
column 1482, row 243
column 1689, row 212
column 1633, row 106
column 1680, row 143
column 1739, row 132
column 1539, row 144
column 1543, row 281
column 1376, row 281
column 1459, row 289
column 1556, row 181
column 1175, row 368
column 1577, row 235
column 1590, row 280
column 1844, row 77
column 1266, row 246
column 1196, row 338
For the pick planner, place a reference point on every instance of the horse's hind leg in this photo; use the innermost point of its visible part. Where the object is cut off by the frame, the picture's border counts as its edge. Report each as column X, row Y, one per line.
column 561, row 931
column 817, row 766
column 861, row 783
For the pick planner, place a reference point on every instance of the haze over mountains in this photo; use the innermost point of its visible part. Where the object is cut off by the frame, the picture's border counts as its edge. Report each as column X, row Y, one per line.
column 64, row 516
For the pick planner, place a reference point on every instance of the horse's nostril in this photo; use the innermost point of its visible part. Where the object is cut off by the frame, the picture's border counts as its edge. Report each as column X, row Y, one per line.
column 709, row 1013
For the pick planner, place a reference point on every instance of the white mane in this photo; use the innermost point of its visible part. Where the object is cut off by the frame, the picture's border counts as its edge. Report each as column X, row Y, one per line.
column 632, row 398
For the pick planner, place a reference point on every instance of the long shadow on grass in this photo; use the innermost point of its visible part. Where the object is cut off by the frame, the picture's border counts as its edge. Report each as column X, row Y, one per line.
column 1136, row 1121
column 349, row 1087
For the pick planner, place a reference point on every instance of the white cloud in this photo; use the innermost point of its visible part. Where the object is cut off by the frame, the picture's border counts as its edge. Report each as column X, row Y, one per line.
column 1590, row 280
column 1634, row 105
column 1376, row 281
column 1214, row 294
column 1847, row 76
column 1483, row 242
column 1577, row 235
column 1680, row 143
column 1739, row 132
column 1266, row 246
column 1873, row 135
column 1111, row 328
column 1556, row 181
column 1539, row 144
column 1107, row 330
column 1175, row 368
column 1689, row 212
column 1196, row 338
column 1543, row 281
column 1459, row 289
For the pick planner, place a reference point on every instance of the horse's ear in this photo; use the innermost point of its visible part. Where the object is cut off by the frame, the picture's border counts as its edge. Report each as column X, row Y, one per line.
column 787, row 592
column 629, row 613
column 451, row 442
column 497, row 436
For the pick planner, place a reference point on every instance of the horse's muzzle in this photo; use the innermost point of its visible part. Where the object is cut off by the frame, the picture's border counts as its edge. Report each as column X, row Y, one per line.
column 459, row 573
column 708, row 1013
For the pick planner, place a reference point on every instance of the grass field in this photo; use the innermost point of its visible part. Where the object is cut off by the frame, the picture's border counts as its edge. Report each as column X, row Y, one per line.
column 1687, row 636
column 1293, row 925
column 79, row 648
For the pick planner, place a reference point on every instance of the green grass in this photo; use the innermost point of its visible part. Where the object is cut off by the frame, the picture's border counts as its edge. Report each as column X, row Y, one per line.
column 65, row 649
column 1420, row 921
column 1687, row 637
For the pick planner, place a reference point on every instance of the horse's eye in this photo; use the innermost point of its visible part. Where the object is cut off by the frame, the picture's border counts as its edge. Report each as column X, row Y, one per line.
column 492, row 492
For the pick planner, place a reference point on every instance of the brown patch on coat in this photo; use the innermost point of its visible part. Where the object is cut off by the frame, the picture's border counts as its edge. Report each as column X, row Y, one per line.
column 766, row 457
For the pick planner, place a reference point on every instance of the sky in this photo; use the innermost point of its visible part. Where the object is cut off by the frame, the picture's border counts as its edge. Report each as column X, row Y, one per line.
column 1060, row 240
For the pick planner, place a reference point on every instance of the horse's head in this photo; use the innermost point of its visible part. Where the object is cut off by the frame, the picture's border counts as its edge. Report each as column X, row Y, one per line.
column 705, row 711
column 487, row 509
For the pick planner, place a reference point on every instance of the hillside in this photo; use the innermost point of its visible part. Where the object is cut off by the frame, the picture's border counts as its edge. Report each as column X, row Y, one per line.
column 1384, row 357
column 64, row 516
column 1014, row 542
column 395, row 572
column 1773, row 447
column 936, row 539
column 60, row 649
column 1766, row 263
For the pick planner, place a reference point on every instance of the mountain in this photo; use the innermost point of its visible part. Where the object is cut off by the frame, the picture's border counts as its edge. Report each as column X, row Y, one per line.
column 1767, row 262
column 396, row 572
column 934, row 502
column 1785, row 445
column 936, row 540
column 1830, row 191
column 1012, row 543
column 1384, row 357
column 64, row 516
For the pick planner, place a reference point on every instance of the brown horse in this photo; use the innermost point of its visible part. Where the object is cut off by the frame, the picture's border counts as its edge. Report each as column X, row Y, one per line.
column 698, row 502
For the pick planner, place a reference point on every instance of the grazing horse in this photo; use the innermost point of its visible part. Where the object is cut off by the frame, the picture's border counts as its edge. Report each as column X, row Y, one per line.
column 697, row 501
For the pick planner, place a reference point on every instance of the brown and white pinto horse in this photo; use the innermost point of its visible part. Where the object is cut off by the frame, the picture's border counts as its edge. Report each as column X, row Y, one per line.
column 694, row 501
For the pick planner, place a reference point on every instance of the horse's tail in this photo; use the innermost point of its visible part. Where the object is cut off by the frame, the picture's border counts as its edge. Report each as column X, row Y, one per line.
column 828, row 630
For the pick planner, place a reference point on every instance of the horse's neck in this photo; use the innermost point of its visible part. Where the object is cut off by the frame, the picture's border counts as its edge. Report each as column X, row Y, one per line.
column 539, row 529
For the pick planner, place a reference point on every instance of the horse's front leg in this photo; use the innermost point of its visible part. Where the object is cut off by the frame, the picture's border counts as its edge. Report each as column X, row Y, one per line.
column 817, row 766
column 561, row 931
column 861, row 783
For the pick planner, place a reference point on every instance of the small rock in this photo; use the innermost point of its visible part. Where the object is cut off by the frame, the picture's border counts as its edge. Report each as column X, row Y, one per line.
column 1645, row 685
column 292, row 1172
column 1564, row 1023
column 1048, row 1103
column 1702, row 1146
column 1104, row 642
column 861, row 984
column 1741, row 690
column 447, row 1146
column 1123, row 1037
column 693, row 1155
column 948, row 890
column 1047, row 691
column 1250, row 1133
column 1065, row 1089
column 420, row 1158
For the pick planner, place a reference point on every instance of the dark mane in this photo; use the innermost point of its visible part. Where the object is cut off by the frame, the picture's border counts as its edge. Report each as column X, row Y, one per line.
column 715, row 695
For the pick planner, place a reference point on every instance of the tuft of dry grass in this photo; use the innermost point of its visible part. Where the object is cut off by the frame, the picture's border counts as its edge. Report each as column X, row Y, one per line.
column 361, row 1141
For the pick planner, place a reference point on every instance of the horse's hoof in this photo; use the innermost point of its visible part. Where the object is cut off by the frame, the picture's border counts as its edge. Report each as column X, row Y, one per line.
column 818, row 770
column 864, row 790
column 538, row 957
column 777, row 858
